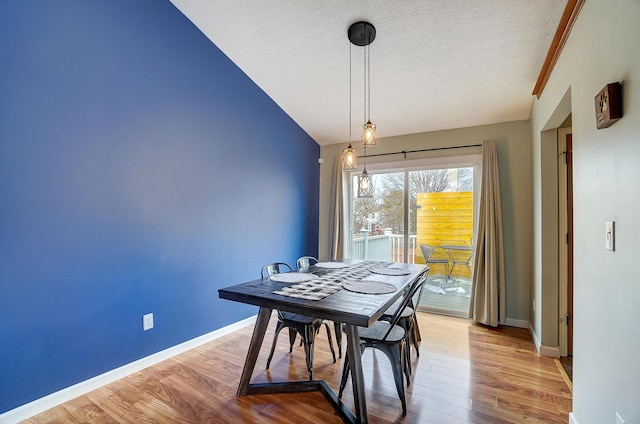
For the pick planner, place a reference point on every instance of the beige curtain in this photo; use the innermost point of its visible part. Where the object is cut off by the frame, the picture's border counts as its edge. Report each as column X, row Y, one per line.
column 488, row 297
column 337, row 220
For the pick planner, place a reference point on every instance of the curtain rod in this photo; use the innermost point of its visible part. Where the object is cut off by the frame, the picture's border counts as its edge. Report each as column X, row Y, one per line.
column 404, row 152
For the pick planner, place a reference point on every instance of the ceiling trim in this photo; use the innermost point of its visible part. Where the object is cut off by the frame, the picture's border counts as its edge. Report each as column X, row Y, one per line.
column 569, row 17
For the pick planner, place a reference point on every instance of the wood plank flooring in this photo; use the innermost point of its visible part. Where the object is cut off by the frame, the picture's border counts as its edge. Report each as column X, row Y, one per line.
column 466, row 373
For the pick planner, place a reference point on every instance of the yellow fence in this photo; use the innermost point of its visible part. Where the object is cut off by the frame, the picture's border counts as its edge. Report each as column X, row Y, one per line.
column 445, row 219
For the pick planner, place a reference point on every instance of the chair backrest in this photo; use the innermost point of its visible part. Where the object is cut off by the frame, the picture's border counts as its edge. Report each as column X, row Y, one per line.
column 274, row 268
column 408, row 296
column 427, row 251
column 306, row 261
column 415, row 300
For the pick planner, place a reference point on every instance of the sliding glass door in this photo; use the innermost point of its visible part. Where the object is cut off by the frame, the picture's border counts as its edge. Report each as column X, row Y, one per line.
column 417, row 215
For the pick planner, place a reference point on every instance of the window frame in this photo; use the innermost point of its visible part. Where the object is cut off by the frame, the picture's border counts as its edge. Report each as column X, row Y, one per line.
column 405, row 166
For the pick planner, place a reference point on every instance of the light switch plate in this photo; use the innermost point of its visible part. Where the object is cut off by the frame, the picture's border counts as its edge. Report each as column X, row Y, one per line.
column 610, row 235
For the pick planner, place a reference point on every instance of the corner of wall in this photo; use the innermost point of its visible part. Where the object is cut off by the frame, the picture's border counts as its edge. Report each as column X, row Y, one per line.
column 520, row 323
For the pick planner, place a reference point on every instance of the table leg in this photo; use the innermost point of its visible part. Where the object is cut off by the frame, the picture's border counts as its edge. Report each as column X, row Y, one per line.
column 259, row 330
column 453, row 263
column 357, row 376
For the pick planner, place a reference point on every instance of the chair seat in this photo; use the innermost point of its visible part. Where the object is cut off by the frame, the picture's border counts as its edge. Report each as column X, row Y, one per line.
column 302, row 319
column 377, row 331
column 406, row 313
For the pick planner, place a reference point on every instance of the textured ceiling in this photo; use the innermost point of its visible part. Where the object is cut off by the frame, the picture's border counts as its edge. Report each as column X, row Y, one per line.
column 435, row 64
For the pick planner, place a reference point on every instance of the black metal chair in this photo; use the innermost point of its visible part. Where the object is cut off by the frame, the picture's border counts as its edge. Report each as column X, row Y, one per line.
column 390, row 338
column 409, row 322
column 306, row 326
column 306, row 262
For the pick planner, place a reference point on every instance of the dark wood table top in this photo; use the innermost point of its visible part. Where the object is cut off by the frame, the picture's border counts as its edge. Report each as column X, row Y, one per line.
column 343, row 306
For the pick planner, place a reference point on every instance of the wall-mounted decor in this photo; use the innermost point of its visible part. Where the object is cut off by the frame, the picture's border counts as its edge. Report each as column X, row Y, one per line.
column 608, row 105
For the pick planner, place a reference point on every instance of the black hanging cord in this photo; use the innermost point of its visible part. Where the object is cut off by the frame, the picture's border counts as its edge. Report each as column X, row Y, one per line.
column 364, row 88
column 368, row 84
column 350, row 93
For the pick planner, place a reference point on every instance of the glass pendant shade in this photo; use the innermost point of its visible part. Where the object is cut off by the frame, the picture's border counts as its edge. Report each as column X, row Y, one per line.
column 368, row 134
column 365, row 185
column 349, row 159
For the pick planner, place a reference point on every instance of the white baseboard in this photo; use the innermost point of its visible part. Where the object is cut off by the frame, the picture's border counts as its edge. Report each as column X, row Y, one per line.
column 520, row 323
column 54, row 399
column 572, row 418
column 534, row 336
column 551, row 351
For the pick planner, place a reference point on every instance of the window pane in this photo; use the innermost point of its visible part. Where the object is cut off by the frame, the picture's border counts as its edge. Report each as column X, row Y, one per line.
column 378, row 221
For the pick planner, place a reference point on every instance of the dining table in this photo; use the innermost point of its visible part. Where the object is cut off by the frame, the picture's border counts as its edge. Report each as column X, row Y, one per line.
column 457, row 259
column 345, row 291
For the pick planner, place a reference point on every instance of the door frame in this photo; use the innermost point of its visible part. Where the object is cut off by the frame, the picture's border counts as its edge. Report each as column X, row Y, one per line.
column 565, row 245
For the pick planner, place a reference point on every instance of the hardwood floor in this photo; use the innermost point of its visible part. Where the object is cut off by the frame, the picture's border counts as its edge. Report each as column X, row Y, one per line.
column 466, row 373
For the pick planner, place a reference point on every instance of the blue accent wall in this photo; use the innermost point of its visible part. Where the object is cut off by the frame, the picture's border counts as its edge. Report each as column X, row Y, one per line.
column 140, row 171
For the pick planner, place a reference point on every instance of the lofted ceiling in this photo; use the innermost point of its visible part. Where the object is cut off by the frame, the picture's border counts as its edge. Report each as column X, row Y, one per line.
column 435, row 64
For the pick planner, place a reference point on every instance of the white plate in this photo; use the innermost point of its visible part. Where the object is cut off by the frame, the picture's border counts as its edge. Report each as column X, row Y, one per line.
column 332, row 265
column 390, row 271
column 292, row 277
column 369, row 287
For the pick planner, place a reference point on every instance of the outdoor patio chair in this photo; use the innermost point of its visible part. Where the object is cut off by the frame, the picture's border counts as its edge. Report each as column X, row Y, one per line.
column 427, row 252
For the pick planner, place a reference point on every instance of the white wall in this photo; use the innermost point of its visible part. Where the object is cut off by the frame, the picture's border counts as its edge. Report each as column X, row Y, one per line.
column 514, row 158
column 603, row 47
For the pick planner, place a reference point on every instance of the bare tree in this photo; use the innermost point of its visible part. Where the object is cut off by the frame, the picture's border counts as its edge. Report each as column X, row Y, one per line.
column 431, row 181
column 392, row 210
column 387, row 200
column 365, row 208
column 465, row 179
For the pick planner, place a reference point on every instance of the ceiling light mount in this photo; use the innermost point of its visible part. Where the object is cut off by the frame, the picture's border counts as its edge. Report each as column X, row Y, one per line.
column 362, row 33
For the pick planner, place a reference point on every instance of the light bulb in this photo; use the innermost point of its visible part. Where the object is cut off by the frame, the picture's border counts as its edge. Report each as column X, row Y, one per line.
column 368, row 134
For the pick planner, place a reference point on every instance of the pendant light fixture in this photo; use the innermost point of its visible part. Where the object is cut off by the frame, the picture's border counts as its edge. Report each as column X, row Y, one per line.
column 362, row 34
column 349, row 157
column 365, row 185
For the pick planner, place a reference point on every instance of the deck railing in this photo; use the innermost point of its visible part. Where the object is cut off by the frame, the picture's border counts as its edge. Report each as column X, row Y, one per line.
column 386, row 247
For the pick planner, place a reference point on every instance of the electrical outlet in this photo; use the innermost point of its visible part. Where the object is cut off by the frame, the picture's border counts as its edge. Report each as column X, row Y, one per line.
column 147, row 322
column 619, row 419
